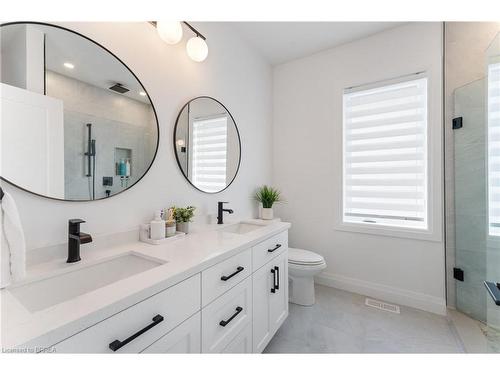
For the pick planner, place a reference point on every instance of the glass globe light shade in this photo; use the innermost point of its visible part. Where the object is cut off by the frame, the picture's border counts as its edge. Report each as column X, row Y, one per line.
column 197, row 49
column 169, row 31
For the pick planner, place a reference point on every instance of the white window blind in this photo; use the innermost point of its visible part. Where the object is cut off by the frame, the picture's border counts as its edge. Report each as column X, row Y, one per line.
column 494, row 148
column 209, row 144
column 385, row 154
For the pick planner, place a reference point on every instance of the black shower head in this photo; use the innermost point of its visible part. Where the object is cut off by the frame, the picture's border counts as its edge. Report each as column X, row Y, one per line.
column 119, row 88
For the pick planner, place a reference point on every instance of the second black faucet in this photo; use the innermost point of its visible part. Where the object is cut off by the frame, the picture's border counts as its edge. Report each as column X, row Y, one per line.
column 220, row 212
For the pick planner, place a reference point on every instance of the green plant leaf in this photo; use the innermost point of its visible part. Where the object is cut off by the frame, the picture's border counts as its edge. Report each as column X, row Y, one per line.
column 183, row 215
column 268, row 195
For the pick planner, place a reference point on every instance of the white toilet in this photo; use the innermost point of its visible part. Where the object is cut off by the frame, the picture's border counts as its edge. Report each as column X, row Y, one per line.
column 303, row 265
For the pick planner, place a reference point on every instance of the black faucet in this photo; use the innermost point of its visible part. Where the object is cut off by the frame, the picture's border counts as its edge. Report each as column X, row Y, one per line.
column 75, row 238
column 220, row 212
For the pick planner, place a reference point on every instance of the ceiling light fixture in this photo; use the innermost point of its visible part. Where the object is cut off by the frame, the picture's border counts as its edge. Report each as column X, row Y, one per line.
column 197, row 49
column 171, row 33
column 68, row 65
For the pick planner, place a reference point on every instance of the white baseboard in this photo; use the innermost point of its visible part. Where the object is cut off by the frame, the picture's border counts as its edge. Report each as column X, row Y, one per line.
column 384, row 292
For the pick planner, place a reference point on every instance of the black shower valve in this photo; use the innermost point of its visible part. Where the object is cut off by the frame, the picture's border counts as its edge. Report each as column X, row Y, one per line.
column 107, row 181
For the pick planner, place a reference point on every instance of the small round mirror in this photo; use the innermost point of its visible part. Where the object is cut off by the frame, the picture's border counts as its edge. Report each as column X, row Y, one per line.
column 207, row 144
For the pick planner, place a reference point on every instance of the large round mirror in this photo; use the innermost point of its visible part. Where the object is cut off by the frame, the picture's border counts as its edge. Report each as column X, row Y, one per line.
column 76, row 122
column 207, row 144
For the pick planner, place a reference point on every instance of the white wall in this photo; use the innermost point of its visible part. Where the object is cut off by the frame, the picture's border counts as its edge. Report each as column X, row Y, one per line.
column 22, row 50
column 233, row 73
column 307, row 146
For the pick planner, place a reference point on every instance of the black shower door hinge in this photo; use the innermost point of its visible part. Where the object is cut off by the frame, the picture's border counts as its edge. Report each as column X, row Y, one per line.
column 457, row 123
column 458, row 274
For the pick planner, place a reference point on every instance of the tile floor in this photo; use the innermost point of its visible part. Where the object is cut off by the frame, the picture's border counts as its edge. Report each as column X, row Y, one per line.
column 340, row 322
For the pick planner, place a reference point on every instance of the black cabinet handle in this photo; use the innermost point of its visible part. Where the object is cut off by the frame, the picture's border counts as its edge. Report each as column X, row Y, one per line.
column 117, row 344
column 273, row 289
column 274, row 248
column 226, row 322
column 277, row 277
column 238, row 270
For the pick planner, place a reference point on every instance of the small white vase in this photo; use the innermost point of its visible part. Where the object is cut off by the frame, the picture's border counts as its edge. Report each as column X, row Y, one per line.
column 267, row 214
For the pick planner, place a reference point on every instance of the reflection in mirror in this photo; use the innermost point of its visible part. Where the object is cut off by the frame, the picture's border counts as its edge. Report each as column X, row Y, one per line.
column 76, row 122
column 207, row 144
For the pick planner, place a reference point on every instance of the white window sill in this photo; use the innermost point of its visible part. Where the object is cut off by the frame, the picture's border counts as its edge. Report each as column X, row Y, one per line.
column 388, row 231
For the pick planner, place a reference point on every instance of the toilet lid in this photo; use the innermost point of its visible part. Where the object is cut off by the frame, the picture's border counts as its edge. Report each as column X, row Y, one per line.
column 299, row 256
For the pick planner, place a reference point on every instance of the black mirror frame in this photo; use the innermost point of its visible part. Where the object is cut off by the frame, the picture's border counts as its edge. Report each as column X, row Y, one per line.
column 138, row 80
column 175, row 149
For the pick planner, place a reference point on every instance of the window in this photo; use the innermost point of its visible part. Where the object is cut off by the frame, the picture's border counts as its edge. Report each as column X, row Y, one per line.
column 385, row 154
column 209, row 145
column 494, row 148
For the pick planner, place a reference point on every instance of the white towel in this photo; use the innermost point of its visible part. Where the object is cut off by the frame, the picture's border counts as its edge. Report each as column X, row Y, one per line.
column 13, row 251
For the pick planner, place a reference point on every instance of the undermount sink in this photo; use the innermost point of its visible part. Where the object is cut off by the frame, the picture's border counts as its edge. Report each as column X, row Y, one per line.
column 39, row 295
column 241, row 228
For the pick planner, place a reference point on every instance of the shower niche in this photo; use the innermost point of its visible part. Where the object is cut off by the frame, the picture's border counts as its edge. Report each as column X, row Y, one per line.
column 123, row 165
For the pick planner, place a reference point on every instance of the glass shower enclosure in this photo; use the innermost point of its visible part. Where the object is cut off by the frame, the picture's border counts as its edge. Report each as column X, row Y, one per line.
column 477, row 196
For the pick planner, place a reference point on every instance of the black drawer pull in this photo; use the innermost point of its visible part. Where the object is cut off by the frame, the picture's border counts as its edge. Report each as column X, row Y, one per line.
column 117, row 344
column 226, row 322
column 273, row 289
column 238, row 270
column 277, row 277
column 274, row 248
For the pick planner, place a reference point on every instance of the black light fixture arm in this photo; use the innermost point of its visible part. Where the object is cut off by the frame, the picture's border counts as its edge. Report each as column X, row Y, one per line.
column 198, row 34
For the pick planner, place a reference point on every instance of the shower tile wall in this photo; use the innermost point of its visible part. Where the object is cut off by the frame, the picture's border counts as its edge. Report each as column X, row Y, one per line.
column 471, row 198
column 117, row 121
column 108, row 135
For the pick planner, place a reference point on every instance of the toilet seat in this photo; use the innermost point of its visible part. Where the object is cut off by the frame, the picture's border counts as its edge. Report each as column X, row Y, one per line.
column 300, row 257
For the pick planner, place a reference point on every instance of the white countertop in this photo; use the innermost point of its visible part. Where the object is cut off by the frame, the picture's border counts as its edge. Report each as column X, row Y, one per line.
column 184, row 257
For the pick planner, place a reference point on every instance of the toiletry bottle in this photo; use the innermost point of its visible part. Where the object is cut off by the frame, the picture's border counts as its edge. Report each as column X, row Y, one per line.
column 121, row 168
column 157, row 227
column 127, row 168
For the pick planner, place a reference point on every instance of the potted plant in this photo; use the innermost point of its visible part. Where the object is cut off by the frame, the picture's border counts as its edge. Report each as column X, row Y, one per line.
column 268, row 196
column 183, row 217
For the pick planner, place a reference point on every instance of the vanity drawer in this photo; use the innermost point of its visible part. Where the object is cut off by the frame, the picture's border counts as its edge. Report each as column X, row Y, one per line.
column 268, row 249
column 226, row 317
column 221, row 277
column 160, row 313
column 185, row 338
column 242, row 343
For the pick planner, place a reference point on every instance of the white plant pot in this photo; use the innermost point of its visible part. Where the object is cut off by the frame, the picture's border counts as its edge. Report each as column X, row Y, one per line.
column 267, row 214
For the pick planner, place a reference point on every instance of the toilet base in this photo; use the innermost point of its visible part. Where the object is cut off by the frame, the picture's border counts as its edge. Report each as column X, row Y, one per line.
column 301, row 290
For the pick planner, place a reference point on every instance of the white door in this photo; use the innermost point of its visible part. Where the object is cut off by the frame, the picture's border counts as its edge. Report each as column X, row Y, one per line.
column 270, row 300
column 186, row 338
column 279, row 300
column 32, row 141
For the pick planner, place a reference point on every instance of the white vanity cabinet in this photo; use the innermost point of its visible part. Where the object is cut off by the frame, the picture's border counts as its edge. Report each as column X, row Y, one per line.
column 270, row 300
column 233, row 306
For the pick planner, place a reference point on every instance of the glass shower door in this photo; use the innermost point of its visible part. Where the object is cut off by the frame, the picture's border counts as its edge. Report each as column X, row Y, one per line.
column 477, row 196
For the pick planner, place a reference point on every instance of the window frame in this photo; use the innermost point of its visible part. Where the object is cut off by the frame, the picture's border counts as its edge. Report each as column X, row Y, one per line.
column 430, row 233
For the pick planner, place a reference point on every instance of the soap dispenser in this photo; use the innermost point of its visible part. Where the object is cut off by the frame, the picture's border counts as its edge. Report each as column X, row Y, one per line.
column 157, row 227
